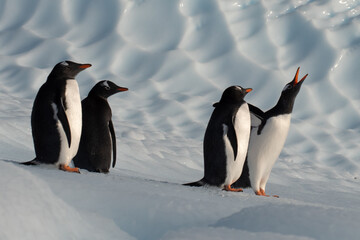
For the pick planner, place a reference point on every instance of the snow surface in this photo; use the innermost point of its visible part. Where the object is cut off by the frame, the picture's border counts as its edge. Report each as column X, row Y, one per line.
column 177, row 57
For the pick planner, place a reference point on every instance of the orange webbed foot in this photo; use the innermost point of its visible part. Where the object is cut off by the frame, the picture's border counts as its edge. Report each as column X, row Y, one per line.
column 230, row 189
column 261, row 192
column 67, row 168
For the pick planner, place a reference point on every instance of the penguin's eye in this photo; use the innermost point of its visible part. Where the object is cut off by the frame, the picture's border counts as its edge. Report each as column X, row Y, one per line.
column 107, row 87
column 288, row 86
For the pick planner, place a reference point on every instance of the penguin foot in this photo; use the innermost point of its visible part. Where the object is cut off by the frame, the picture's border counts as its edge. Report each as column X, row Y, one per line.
column 230, row 189
column 261, row 192
column 68, row 169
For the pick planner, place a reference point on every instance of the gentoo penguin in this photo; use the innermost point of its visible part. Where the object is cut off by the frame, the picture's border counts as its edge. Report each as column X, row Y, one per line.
column 98, row 133
column 268, row 134
column 56, row 117
column 226, row 140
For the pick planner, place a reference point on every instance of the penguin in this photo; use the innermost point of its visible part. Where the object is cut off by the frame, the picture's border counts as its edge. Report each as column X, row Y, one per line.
column 268, row 134
column 56, row 117
column 98, row 135
column 226, row 140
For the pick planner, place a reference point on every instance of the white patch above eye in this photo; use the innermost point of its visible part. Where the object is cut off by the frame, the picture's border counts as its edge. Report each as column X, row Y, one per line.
column 64, row 63
column 106, row 85
column 287, row 86
column 238, row 87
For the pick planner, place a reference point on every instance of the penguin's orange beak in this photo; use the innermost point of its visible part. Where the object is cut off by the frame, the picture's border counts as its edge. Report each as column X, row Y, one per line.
column 85, row 66
column 122, row 89
column 248, row 90
column 296, row 78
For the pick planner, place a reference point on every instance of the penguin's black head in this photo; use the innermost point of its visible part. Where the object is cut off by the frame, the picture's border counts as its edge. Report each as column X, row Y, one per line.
column 234, row 95
column 67, row 70
column 290, row 92
column 105, row 89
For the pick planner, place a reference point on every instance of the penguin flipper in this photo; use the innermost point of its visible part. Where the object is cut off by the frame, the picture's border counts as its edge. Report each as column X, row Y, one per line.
column 231, row 135
column 258, row 118
column 257, row 115
column 113, row 138
column 64, row 120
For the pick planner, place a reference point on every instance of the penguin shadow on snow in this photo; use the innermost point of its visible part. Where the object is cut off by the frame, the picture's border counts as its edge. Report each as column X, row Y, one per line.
column 98, row 140
column 235, row 159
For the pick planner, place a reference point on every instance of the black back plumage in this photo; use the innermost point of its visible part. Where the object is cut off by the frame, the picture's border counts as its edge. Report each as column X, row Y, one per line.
column 49, row 107
column 98, row 133
column 213, row 145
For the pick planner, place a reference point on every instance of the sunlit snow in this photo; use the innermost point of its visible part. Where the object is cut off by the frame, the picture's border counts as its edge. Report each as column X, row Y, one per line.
column 176, row 57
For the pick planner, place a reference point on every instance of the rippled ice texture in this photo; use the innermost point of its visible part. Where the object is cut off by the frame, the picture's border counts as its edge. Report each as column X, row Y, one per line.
column 177, row 57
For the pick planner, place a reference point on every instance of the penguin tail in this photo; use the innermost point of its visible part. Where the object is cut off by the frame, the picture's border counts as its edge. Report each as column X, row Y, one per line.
column 199, row 183
column 32, row 162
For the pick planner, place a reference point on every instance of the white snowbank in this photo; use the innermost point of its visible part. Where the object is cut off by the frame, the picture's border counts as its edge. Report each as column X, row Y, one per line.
column 177, row 57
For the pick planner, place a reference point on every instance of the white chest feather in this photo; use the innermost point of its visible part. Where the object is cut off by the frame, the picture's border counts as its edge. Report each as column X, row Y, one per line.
column 74, row 116
column 264, row 149
column 242, row 129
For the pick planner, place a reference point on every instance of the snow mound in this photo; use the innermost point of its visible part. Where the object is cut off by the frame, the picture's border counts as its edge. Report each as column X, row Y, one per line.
column 315, row 222
column 31, row 210
column 176, row 57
